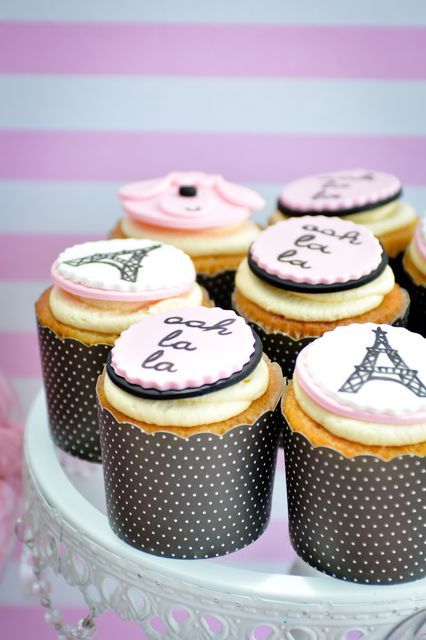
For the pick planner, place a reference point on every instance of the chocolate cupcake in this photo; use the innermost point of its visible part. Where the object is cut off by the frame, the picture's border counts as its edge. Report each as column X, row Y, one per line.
column 100, row 289
column 370, row 198
column 355, row 446
column 414, row 264
column 189, row 419
column 204, row 215
column 309, row 274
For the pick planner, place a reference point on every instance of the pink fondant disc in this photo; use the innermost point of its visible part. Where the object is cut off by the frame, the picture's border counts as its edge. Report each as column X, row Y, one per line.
column 339, row 190
column 367, row 372
column 214, row 202
column 188, row 348
column 124, row 270
column 317, row 250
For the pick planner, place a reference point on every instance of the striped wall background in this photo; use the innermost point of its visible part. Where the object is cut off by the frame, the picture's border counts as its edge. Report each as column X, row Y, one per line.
column 94, row 94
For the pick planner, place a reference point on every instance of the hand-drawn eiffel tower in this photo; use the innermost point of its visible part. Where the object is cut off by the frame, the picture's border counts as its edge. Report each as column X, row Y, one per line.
column 369, row 370
column 128, row 267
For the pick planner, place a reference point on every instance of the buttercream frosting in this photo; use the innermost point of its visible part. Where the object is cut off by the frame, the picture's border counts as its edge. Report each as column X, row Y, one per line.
column 231, row 240
column 325, row 307
column 189, row 412
column 417, row 247
column 366, row 375
column 189, row 200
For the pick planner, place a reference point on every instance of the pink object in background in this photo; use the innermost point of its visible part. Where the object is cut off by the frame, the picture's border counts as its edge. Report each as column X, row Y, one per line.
column 11, row 440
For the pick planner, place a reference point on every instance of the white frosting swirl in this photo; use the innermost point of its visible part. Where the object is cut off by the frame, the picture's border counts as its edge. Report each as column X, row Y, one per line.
column 224, row 241
column 416, row 258
column 380, row 220
column 319, row 307
column 113, row 317
column 190, row 412
column 363, row 432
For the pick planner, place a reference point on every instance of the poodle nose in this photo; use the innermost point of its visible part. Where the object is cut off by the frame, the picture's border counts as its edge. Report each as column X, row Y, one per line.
column 187, row 191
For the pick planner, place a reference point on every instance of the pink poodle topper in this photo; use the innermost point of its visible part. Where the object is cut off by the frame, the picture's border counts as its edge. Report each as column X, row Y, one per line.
column 184, row 349
column 316, row 250
column 341, row 192
column 375, row 373
column 189, row 200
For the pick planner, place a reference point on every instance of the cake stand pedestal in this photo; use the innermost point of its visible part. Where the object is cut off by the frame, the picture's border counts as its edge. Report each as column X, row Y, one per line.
column 259, row 593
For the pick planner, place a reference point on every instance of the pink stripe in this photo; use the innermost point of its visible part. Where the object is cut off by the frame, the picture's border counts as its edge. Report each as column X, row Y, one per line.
column 19, row 354
column 30, row 257
column 242, row 157
column 28, row 622
column 213, row 50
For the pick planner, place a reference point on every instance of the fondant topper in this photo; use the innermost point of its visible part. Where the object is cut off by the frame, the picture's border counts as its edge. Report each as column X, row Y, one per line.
column 189, row 200
column 190, row 353
column 124, row 270
column 367, row 372
column 339, row 192
column 316, row 253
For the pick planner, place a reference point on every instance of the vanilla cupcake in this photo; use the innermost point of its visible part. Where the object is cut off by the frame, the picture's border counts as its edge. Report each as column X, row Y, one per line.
column 100, row 289
column 366, row 197
column 189, row 420
column 204, row 215
column 307, row 275
column 414, row 263
column 355, row 447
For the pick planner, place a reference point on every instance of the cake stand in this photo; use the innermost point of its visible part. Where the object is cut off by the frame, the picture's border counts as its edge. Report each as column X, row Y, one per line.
column 259, row 593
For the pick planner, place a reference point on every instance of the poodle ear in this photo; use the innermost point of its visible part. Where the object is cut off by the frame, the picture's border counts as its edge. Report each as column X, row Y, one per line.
column 240, row 196
column 144, row 190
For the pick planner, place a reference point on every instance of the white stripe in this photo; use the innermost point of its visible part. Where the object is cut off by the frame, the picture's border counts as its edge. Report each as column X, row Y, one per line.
column 17, row 304
column 93, row 207
column 362, row 12
column 236, row 105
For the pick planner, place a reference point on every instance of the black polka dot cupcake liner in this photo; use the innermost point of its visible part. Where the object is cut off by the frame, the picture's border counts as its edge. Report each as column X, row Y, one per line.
column 283, row 349
column 197, row 497
column 359, row 519
column 70, row 371
column 219, row 286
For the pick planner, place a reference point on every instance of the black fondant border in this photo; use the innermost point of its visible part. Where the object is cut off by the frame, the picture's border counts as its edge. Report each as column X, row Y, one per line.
column 304, row 287
column 192, row 392
column 288, row 211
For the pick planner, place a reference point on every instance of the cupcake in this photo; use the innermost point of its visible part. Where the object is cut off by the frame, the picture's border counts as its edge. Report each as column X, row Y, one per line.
column 204, row 215
column 100, row 289
column 307, row 275
column 414, row 264
column 370, row 198
column 189, row 420
column 355, row 446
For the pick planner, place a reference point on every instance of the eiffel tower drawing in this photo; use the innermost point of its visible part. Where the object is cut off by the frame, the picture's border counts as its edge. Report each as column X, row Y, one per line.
column 128, row 267
column 369, row 369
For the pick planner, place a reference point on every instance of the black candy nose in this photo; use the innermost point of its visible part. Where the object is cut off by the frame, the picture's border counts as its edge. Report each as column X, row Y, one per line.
column 187, row 191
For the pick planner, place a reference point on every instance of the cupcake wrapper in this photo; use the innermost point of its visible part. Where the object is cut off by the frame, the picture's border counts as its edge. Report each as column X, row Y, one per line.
column 70, row 370
column 196, row 497
column 359, row 519
column 417, row 316
column 284, row 349
column 397, row 268
column 219, row 286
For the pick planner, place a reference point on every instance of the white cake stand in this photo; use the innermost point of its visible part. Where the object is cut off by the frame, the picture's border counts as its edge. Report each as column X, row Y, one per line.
column 230, row 599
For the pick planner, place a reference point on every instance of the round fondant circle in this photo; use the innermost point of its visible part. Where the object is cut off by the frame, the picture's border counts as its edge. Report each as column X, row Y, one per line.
column 339, row 192
column 124, row 270
column 316, row 253
column 186, row 350
column 367, row 372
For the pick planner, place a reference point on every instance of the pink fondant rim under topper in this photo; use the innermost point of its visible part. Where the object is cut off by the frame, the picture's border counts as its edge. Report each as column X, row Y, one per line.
column 369, row 198
column 84, row 291
column 317, row 395
column 132, row 347
column 263, row 251
column 420, row 239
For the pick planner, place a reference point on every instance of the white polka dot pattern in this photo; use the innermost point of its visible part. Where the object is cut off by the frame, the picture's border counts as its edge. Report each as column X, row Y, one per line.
column 199, row 497
column 359, row 519
column 219, row 286
column 70, row 371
